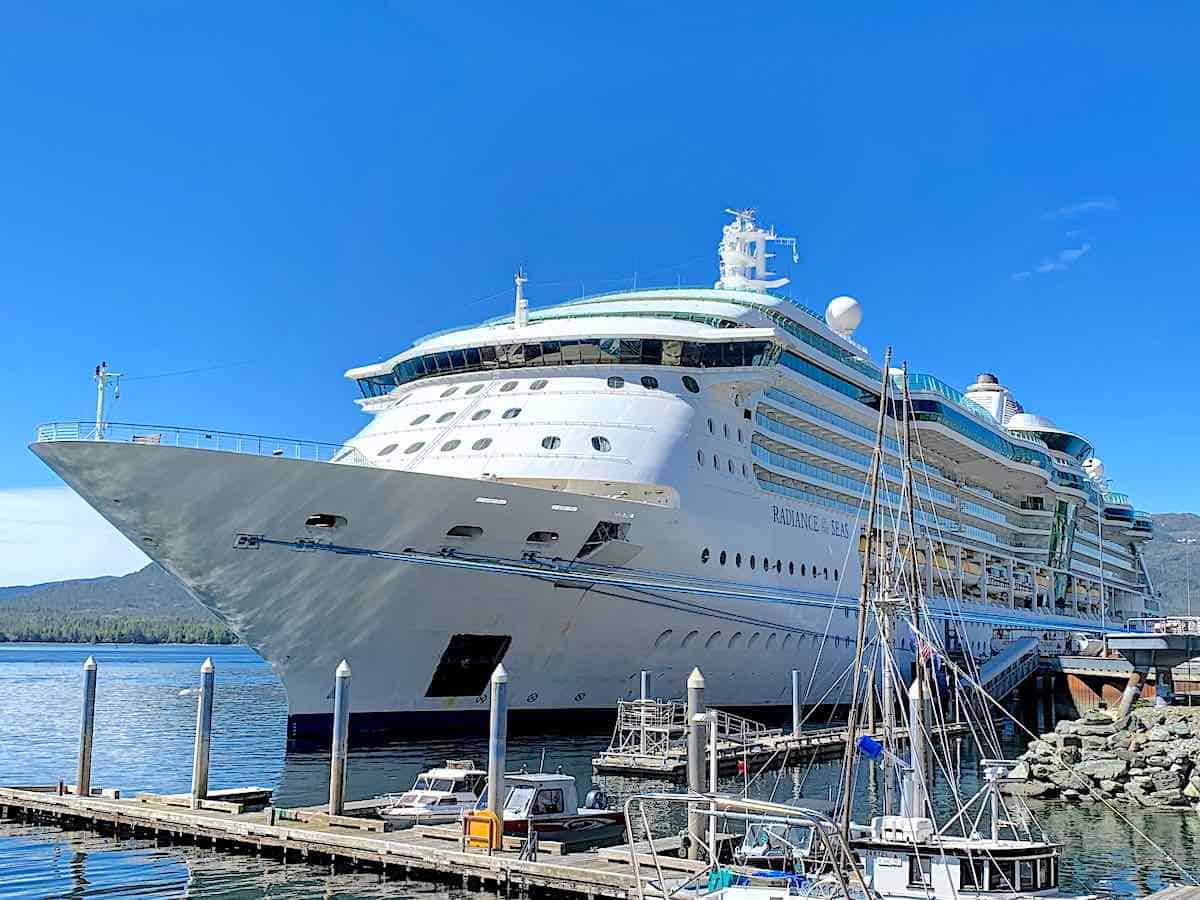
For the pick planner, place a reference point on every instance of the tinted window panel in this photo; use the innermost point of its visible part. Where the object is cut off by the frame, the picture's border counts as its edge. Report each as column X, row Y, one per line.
column 652, row 352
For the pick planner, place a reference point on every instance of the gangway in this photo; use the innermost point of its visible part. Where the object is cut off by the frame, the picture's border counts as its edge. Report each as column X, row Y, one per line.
column 1008, row 669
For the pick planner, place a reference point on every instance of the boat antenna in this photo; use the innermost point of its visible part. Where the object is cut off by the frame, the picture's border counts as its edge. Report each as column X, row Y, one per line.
column 864, row 600
column 542, row 764
column 102, row 377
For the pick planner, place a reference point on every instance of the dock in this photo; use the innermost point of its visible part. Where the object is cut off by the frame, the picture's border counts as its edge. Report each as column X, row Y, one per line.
column 432, row 853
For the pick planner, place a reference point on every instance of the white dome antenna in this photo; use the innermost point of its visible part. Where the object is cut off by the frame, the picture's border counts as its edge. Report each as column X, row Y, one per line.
column 843, row 315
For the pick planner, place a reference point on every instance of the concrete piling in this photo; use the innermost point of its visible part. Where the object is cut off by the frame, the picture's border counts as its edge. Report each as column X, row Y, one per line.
column 203, row 745
column 497, row 742
column 797, row 711
column 341, row 739
column 83, row 775
column 695, row 759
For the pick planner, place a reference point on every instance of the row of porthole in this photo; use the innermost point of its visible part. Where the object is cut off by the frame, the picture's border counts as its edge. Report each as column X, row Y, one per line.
column 729, row 463
column 478, row 416
column 771, row 642
column 600, row 444
column 723, row 558
column 649, row 382
column 725, row 427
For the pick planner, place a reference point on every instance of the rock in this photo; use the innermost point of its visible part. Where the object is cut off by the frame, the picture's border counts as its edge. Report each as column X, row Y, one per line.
column 1191, row 791
column 1180, row 729
column 1173, row 797
column 1065, row 778
column 1019, row 772
column 1110, row 787
column 1091, row 744
column 1102, row 769
column 1065, row 726
column 1127, row 755
column 1160, row 733
column 1042, row 750
column 1167, row 781
column 1137, row 794
column 1097, row 730
column 1120, row 740
column 1159, row 760
column 1071, row 756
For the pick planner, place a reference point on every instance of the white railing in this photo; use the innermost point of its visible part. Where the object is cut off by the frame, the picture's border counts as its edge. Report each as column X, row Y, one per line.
column 201, row 439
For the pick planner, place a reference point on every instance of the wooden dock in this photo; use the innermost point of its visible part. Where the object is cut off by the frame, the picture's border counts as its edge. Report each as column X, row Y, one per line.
column 225, row 822
column 765, row 749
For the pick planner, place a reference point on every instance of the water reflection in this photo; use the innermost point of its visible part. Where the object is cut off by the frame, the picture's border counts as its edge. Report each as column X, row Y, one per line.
column 144, row 742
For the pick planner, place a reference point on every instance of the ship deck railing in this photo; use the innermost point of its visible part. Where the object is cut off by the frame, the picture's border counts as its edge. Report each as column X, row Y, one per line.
column 200, row 439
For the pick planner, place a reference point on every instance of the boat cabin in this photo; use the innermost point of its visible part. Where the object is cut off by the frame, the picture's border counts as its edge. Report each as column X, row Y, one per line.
column 914, row 861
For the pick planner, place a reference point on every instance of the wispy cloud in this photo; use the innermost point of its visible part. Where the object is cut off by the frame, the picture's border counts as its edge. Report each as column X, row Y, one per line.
column 1104, row 204
column 1060, row 262
column 50, row 534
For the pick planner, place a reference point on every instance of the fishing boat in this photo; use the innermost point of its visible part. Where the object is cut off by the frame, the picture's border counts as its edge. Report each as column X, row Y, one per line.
column 548, row 804
column 437, row 797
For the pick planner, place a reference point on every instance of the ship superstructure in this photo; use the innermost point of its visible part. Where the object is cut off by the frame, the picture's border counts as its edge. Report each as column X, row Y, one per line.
column 703, row 452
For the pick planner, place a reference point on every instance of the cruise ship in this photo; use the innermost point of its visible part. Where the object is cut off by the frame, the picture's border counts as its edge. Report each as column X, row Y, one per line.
column 649, row 479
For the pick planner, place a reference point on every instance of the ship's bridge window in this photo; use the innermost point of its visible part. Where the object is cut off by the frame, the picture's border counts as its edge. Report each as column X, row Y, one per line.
column 586, row 351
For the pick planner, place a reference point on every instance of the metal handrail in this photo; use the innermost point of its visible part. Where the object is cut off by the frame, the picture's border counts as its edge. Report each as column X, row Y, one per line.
column 200, row 439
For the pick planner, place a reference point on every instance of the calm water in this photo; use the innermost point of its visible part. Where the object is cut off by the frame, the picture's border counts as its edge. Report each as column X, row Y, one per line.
column 143, row 741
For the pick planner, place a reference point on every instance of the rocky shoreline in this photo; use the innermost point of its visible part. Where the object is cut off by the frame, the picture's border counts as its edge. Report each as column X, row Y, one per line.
column 1147, row 760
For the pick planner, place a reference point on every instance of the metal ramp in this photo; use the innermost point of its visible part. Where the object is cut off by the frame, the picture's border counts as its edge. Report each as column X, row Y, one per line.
column 1008, row 669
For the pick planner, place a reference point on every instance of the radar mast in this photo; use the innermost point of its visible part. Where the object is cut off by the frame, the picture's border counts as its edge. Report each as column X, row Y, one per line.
column 743, row 254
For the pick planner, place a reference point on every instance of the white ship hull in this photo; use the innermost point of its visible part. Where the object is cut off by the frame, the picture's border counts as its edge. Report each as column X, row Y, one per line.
column 573, row 648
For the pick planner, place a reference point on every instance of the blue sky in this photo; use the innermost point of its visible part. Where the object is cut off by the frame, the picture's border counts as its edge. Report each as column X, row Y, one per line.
column 286, row 191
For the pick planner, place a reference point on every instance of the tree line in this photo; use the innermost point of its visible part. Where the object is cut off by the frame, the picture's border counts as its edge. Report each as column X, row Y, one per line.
column 52, row 626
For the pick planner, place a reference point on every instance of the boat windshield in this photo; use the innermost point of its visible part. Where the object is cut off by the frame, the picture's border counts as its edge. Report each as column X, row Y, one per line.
column 425, row 783
column 777, row 837
column 518, row 799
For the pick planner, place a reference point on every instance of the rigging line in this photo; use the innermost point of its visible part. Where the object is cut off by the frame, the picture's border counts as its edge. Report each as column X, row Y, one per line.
column 235, row 365
column 621, row 278
column 1085, row 780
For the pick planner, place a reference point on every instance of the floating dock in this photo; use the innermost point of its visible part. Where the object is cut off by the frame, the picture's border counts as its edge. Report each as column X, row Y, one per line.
column 226, row 821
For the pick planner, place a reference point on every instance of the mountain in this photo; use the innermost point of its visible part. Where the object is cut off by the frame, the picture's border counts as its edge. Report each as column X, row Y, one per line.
column 1168, row 560
column 147, row 606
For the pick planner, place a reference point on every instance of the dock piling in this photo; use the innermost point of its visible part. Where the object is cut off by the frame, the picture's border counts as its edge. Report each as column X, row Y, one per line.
column 796, row 709
column 341, row 736
column 497, row 741
column 203, row 745
column 83, row 776
column 695, row 759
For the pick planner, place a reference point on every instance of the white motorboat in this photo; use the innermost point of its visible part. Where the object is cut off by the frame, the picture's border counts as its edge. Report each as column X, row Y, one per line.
column 437, row 797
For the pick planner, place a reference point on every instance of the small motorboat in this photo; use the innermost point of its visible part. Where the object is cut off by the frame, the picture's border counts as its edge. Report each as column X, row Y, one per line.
column 437, row 797
column 548, row 804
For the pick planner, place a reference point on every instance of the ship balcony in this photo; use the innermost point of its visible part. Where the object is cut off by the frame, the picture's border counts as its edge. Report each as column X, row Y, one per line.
column 200, row 439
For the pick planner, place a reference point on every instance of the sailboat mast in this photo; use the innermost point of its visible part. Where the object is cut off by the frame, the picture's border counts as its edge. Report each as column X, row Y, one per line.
column 916, row 694
column 864, row 603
